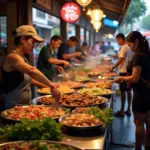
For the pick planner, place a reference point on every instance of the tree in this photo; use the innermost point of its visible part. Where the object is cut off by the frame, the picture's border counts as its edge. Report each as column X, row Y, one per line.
column 136, row 9
column 146, row 22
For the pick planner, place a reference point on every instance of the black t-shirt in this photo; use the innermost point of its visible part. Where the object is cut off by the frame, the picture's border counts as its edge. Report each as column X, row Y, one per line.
column 143, row 61
column 63, row 49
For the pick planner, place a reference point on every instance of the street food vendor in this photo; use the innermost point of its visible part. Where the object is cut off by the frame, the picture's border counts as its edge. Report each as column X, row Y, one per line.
column 17, row 74
column 64, row 53
column 47, row 62
column 83, row 49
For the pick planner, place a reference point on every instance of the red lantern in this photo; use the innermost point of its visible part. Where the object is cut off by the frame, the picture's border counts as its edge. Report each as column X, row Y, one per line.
column 70, row 12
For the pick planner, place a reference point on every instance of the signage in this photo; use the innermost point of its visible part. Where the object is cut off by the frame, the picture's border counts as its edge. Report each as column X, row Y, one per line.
column 70, row 12
column 44, row 3
column 110, row 23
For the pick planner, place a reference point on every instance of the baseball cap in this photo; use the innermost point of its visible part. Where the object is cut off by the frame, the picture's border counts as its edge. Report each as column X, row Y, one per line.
column 27, row 30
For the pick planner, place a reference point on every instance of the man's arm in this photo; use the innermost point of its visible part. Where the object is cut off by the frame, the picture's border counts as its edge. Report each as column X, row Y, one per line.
column 38, row 84
column 68, row 56
column 118, row 63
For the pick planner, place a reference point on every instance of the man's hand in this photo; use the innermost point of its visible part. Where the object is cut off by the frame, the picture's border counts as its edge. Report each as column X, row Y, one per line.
column 60, row 69
column 78, row 53
column 67, row 64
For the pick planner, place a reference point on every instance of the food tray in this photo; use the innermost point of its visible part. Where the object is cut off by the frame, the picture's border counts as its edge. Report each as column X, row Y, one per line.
column 104, row 101
column 15, row 121
column 48, row 142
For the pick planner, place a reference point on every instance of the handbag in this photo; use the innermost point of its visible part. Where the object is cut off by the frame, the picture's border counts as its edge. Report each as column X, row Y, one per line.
column 147, row 83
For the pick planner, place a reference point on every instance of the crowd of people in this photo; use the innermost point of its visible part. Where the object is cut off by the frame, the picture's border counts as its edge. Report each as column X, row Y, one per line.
column 133, row 62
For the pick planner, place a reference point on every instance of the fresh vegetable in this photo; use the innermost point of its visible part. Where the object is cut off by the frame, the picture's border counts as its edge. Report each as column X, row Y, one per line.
column 105, row 115
column 46, row 129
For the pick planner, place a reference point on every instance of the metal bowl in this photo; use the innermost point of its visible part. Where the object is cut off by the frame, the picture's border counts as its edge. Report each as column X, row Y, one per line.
column 7, row 119
column 48, row 142
column 104, row 101
column 80, row 129
column 66, row 77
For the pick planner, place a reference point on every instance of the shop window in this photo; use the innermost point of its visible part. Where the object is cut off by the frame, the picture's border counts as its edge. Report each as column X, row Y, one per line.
column 71, row 31
column 40, row 14
column 87, row 37
column 46, row 26
column 81, row 35
column 3, row 32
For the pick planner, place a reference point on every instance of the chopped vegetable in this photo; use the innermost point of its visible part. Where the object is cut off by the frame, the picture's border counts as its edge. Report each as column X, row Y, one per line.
column 46, row 129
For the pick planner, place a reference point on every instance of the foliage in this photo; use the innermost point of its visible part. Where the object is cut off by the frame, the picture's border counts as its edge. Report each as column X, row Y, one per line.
column 146, row 22
column 105, row 115
column 136, row 9
column 46, row 129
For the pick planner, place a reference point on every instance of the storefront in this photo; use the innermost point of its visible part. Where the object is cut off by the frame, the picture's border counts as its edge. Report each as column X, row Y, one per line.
column 46, row 26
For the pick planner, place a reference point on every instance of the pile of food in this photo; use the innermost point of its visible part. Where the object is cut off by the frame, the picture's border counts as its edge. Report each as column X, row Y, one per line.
column 36, row 145
column 110, row 74
column 81, row 120
column 77, row 99
column 48, row 100
column 32, row 112
column 82, row 78
column 71, row 84
column 100, row 84
column 95, row 91
column 105, row 115
column 63, row 89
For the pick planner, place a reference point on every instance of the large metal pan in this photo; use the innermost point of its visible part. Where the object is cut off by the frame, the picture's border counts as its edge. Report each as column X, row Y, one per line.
column 65, row 145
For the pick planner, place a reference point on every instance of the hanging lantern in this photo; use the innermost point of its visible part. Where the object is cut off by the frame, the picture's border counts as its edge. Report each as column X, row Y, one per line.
column 92, row 21
column 96, row 15
column 88, row 12
column 97, row 25
column 84, row 3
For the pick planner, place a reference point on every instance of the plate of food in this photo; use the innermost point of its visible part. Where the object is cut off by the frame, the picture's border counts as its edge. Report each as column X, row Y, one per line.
column 81, row 100
column 33, row 112
column 63, row 90
column 71, row 84
column 81, row 121
column 96, row 91
column 106, row 84
column 82, row 79
column 37, row 145
column 46, row 100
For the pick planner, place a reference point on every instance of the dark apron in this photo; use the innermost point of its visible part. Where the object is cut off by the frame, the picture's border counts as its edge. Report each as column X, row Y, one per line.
column 21, row 95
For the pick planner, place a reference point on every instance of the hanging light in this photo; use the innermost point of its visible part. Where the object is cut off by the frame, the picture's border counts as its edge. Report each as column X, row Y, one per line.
column 92, row 21
column 84, row 3
column 97, row 25
column 88, row 12
column 96, row 15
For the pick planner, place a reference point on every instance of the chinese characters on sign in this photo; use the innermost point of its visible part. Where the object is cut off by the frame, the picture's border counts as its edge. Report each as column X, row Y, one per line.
column 70, row 12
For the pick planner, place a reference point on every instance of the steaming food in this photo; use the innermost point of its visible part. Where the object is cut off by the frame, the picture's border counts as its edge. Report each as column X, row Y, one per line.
column 71, row 84
column 32, row 112
column 81, row 120
column 62, row 88
column 45, row 100
column 95, row 91
column 82, row 79
column 100, row 84
column 77, row 99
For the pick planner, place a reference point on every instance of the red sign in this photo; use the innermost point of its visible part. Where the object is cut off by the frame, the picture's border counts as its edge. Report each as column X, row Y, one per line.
column 70, row 12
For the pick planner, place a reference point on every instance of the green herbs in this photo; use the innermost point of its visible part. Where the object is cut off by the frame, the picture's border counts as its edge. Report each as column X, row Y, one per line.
column 105, row 115
column 46, row 129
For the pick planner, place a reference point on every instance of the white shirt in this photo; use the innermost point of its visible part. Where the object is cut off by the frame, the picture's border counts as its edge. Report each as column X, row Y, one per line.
column 127, row 55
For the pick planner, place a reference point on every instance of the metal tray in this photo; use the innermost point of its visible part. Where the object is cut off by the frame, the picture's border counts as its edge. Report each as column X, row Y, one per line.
column 48, row 142
column 104, row 101
column 79, row 128
column 16, row 121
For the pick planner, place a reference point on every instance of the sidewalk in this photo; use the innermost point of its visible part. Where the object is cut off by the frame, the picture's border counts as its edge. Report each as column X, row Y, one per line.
column 123, row 130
